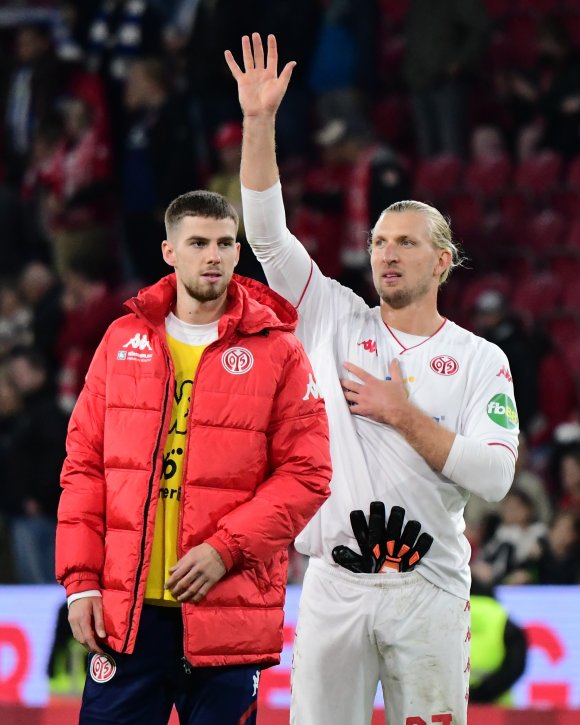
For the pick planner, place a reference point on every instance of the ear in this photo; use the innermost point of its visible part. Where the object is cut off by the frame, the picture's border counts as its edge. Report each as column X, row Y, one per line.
column 168, row 252
column 443, row 261
column 238, row 250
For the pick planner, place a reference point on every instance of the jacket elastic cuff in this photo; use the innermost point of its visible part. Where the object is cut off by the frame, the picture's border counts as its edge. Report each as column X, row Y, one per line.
column 228, row 557
column 81, row 585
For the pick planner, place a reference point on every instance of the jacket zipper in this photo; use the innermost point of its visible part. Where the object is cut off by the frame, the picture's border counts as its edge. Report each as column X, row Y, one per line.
column 148, row 504
column 185, row 662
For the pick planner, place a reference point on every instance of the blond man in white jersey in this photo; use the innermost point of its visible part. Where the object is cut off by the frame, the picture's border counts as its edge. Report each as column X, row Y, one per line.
column 421, row 414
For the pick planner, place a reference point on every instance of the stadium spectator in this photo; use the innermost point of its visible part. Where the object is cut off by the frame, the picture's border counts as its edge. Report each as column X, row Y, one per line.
column 499, row 649
column 42, row 292
column 505, row 555
column 173, row 554
column 34, row 87
column 424, row 455
column 15, row 318
column 569, row 483
column 88, row 307
column 557, row 557
column 158, row 162
column 445, row 42
column 33, row 463
column 495, row 321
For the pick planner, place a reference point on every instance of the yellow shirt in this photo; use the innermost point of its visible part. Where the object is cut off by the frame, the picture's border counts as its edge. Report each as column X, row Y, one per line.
column 186, row 345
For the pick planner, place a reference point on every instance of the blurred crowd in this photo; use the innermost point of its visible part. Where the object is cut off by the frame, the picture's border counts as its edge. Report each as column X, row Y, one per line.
column 111, row 108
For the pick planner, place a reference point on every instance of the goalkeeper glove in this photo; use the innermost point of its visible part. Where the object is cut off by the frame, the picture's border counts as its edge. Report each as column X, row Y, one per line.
column 383, row 547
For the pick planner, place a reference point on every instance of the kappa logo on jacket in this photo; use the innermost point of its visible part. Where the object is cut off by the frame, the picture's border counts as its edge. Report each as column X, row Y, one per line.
column 312, row 390
column 138, row 342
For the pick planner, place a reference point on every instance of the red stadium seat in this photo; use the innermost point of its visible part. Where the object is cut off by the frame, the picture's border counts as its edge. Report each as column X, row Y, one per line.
column 489, row 177
column 395, row 10
column 467, row 218
column 566, row 202
column 562, row 326
column 515, row 208
column 436, row 178
column 538, row 6
column 494, row 281
column 391, row 117
column 571, row 296
column 540, row 174
column 498, row 8
column 520, row 27
column 573, row 236
column 570, row 19
column 573, row 174
column 543, row 231
column 564, row 263
column 537, row 295
column 517, row 263
column 556, row 389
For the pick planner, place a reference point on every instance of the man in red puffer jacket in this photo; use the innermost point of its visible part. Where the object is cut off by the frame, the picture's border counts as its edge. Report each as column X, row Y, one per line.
column 197, row 451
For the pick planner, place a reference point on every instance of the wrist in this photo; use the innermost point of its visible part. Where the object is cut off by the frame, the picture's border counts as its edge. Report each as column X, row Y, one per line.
column 261, row 119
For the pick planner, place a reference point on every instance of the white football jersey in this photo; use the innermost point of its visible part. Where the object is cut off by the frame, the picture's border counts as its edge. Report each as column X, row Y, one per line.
column 458, row 378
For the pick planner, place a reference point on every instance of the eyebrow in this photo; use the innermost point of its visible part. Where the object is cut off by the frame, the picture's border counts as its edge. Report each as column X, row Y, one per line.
column 196, row 238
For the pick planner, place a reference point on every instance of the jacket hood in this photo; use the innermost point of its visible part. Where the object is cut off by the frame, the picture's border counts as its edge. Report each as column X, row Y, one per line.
column 251, row 307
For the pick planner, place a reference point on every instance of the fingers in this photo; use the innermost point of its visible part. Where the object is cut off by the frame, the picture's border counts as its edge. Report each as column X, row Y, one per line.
column 99, row 618
column 273, row 55
column 359, row 372
column 395, row 371
column 235, row 69
column 81, row 624
column 193, row 587
column 258, row 51
column 247, row 54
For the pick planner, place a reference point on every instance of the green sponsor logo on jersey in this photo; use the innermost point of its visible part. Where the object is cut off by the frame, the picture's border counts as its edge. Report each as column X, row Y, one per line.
column 502, row 410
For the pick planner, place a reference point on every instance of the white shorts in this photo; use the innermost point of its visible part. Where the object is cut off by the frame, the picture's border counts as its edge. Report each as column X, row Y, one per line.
column 356, row 630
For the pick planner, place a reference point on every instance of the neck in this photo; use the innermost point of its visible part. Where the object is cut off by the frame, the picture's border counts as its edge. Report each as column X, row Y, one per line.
column 195, row 312
column 417, row 318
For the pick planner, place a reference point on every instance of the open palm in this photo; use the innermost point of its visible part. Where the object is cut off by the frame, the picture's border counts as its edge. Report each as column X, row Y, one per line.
column 260, row 88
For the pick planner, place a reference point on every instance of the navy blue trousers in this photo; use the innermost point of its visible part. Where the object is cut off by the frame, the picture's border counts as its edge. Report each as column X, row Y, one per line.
column 146, row 684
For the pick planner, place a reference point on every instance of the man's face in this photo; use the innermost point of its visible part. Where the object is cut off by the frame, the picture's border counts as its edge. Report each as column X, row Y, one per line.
column 204, row 253
column 405, row 264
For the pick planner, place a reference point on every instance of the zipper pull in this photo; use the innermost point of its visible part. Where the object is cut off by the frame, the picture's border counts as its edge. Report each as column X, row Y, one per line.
column 186, row 666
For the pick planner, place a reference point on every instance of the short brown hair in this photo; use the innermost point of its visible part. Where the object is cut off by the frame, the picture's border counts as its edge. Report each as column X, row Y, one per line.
column 200, row 203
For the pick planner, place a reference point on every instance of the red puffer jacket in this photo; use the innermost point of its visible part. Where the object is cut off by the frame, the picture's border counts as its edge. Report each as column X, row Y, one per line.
column 257, row 467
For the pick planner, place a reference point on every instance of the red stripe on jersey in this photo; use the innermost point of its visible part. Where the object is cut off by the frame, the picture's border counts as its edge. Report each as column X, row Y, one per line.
column 306, row 286
column 504, row 446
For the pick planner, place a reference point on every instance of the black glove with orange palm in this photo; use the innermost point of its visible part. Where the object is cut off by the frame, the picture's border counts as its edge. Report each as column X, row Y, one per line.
column 383, row 547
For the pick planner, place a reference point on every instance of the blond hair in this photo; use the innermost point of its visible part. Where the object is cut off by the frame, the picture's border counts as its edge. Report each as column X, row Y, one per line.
column 439, row 231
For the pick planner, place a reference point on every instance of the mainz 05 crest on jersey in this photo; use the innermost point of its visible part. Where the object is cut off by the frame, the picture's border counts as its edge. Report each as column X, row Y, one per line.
column 502, row 410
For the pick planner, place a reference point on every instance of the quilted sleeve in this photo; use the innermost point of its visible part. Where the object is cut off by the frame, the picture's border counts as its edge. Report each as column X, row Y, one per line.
column 299, row 458
column 81, row 511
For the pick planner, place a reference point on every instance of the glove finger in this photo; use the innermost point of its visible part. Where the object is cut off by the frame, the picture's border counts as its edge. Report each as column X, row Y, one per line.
column 410, row 533
column 394, row 526
column 360, row 530
column 351, row 560
column 417, row 552
column 377, row 529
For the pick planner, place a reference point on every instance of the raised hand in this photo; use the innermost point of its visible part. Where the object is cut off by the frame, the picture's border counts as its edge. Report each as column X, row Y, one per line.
column 260, row 88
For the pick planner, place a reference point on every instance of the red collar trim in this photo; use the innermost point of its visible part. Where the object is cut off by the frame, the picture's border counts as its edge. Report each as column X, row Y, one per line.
column 403, row 348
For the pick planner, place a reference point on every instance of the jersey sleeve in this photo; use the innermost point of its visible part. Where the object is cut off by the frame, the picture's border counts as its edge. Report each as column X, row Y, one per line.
column 321, row 302
column 490, row 414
